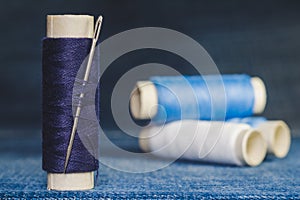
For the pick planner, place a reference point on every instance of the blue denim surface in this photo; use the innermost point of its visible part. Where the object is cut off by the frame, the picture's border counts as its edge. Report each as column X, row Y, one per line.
column 21, row 176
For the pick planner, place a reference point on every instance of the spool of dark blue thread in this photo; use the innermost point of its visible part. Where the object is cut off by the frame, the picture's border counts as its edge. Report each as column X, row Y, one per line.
column 210, row 97
column 62, row 58
column 67, row 45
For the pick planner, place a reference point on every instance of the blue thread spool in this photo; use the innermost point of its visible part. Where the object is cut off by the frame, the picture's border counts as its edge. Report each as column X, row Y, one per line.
column 210, row 97
column 252, row 121
column 67, row 44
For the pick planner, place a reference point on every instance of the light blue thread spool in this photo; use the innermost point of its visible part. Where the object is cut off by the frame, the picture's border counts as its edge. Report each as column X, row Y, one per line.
column 252, row 121
column 210, row 97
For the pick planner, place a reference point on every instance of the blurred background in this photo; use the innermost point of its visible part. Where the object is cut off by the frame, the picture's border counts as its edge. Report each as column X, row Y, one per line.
column 259, row 38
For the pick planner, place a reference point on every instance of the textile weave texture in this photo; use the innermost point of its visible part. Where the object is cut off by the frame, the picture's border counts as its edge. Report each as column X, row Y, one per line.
column 21, row 175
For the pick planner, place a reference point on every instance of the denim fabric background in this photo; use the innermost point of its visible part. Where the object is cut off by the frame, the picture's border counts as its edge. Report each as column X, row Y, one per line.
column 21, row 176
column 256, row 37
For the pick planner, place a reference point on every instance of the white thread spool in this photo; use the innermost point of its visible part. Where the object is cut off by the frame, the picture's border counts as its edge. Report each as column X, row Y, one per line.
column 231, row 143
column 144, row 99
column 277, row 134
column 70, row 26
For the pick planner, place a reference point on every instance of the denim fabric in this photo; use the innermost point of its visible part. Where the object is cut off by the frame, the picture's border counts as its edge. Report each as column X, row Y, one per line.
column 21, row 175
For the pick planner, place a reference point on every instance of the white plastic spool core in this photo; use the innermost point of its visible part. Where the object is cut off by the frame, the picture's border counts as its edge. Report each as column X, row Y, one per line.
column 70, row 181
column 282, row 140
column 254, row 148
column 70, row 26
column 278, row 136
column 144, row 100
column 260, row 95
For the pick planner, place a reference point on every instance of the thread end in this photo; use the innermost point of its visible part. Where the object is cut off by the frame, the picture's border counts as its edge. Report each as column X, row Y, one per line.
column 278, row 135
column 254, row 148
column 282, row 140
column 144, row 100
column 260, row 95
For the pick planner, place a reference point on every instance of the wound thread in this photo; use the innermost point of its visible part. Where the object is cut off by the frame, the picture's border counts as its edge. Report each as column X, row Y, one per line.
column 62, row 58
column 252, row 121
column 209, row 97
